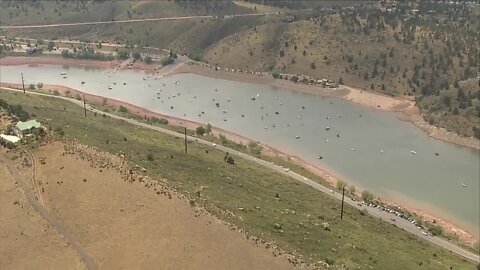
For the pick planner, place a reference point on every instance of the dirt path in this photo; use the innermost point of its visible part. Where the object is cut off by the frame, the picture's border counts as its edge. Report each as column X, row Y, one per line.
column 47, row 216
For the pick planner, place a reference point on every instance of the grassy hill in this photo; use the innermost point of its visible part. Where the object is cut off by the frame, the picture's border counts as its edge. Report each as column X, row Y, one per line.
column 422, row 49
column 245, row 194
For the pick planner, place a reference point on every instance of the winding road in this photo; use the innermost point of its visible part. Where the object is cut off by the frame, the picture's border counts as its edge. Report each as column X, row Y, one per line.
column 135, row 20
column 373, row 211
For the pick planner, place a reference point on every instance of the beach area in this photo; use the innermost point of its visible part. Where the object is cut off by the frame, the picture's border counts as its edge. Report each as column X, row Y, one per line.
column 367, row 98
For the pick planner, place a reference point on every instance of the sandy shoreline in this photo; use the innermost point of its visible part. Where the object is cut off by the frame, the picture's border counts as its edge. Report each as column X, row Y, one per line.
column 366, row 98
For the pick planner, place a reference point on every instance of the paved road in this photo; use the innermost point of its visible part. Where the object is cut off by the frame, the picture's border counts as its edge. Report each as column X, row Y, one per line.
column 132, row 21
column 375, row 212
column 71, row 240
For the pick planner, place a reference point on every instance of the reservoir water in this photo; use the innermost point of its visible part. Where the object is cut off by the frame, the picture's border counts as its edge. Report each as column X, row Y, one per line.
column 373, row 150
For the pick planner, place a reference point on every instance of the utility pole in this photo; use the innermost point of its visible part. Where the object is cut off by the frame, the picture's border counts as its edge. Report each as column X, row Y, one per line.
column 23, row 84
column 85, row 106
column 343, row 199
column 186, row 150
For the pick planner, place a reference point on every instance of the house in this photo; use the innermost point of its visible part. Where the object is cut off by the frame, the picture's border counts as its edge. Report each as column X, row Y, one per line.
column 24, row 128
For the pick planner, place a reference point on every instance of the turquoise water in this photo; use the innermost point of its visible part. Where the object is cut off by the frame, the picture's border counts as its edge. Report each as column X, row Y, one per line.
column 373, row 150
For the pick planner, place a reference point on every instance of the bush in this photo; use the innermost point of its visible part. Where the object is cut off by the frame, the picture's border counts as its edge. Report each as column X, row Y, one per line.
column 39, row 85
column 341, row 184
column 208, row 130
column 122, row 109
column 436, row 230
column 123, row 54
column 275, row 75
column 31, row 86
column 223, row 139
column 351, row 189
column 56, row 93
column 167, row 61
column 367, row 196
column 255, row 148
column 147, row 59
column 200, row 130
column 230, row 160
column 161, row 121
column 136, row 55
column 150, row 157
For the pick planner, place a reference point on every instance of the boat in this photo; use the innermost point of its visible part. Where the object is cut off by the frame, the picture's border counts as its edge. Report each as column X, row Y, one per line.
column 413, row 152
column 109, row 87
column 63, row 73
column 64, row 76
column 463, row 185
column 352, row 149
column 327, row 128
column 320, row 157
column 297, row 137
column 381, row 150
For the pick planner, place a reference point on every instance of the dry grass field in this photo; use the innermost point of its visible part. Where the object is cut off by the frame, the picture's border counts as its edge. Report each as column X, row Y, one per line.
column 122, row 222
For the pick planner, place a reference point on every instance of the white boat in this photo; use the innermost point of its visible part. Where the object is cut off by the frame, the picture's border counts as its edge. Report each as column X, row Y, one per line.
column 381, row 150
column 297, row 137
column 327, row 128
column 413, row 152
column 64, row 76
column 109, row 87
column 63, row 73
column 463, row 185
column 320, row 157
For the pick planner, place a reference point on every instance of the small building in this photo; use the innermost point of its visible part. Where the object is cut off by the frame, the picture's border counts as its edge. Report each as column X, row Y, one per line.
column 10, row 138
column 24, row 128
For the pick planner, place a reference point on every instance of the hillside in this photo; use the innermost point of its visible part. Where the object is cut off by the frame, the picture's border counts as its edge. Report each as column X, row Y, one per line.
column 428, row 51
column 264, row 204
column 417, row 55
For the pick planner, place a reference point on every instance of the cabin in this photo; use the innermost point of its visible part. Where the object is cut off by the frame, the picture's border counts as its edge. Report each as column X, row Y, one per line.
column 22, row 129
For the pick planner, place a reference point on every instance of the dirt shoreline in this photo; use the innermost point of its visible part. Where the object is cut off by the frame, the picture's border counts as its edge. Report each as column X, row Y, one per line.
column 330, row 177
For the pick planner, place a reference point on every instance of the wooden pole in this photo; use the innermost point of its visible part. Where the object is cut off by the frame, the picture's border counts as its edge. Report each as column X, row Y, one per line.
column 186, row 150
column 23, row 84
column 343, row 199
column 85, row 106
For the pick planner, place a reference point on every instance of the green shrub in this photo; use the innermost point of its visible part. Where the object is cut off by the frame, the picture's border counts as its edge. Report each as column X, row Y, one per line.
column 122, row 109
column 200, row 130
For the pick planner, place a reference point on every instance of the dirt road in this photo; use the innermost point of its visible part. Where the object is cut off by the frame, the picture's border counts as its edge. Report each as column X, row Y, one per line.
column 72, row 241
column 131, row 21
